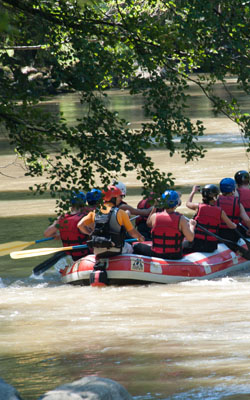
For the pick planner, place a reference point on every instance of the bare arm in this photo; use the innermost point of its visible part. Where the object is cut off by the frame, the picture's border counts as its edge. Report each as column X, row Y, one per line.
column 187, row 227
column 52, row 231
column 151, row 218
column 227, row 221
column 86, row 225
column 136, row 235
column 189, row 203
column 86, row 229
column 135, row 211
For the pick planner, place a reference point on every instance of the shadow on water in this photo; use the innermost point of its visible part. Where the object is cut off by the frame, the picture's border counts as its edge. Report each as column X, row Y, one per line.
column 131, row 109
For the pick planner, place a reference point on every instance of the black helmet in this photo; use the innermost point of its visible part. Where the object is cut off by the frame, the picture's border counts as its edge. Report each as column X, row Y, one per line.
column 242, row 177
column 210, row 191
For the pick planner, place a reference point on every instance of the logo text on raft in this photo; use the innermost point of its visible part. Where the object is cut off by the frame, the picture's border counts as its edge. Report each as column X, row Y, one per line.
column 137, row 264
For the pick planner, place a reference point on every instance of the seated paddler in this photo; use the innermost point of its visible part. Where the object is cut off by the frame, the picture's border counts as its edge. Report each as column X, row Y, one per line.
column 108, row 225
column 168, row 229
column 209, row 216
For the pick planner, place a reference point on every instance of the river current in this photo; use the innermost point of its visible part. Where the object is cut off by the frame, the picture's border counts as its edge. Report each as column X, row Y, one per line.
column 184, row 341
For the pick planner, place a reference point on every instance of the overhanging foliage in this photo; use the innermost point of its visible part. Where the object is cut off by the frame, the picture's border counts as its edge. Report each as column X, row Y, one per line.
column 151, row 48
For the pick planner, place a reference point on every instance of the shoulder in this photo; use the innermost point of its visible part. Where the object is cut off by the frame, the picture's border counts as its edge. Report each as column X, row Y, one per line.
column 89, row 216
column 122, row 213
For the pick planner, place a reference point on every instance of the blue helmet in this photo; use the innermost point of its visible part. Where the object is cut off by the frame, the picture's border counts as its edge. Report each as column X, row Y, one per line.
column 78, row 199
column 227, row 185
column 170, row 198
column 93, row 196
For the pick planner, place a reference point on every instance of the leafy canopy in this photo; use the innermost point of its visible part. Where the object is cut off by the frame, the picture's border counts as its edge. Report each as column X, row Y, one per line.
column 152, row 48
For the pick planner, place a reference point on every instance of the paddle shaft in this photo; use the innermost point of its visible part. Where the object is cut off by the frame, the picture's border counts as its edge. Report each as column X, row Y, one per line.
column 245, row 253
column 242, row 236
column 45, row 265
column 46, row 251
column 133, row 218
column 43, row 240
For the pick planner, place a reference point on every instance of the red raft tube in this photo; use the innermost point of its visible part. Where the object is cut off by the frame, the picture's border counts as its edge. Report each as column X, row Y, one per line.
column 132, row 268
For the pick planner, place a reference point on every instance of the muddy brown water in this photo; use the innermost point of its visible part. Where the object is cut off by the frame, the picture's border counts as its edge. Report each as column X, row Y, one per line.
column 180, row 342
column 184, row 341
column 218, row 163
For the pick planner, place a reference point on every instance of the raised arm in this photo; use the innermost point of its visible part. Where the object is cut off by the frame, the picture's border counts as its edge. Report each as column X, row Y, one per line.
column 189, row 203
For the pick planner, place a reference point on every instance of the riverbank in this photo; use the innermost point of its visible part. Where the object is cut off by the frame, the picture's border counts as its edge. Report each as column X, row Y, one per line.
column 217, row 164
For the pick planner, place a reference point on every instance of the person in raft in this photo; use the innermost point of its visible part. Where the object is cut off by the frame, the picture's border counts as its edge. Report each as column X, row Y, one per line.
column 93, row 197
column 65, row 227
column 108, row 226
column 141, row 221
column 233, row 208
column 242, row 179
column 209, row 216
column 126, row 207
column 168, row 229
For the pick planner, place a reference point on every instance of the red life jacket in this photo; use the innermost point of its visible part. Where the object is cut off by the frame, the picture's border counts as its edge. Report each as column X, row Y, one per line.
column 142, row 205
column 166, row 235
column 231, row 206
column 244, row 197
column 71, row 235
column 209, row 217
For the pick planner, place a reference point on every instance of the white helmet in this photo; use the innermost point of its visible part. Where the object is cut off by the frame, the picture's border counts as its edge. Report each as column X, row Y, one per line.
column 122, row 188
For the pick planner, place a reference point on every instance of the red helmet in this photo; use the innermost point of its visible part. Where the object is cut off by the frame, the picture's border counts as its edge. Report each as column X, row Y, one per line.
column 112, row 192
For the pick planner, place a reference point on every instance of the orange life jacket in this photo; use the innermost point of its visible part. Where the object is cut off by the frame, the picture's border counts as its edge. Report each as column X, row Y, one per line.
column 209, row 217
column 231, row 206
column 166, row 236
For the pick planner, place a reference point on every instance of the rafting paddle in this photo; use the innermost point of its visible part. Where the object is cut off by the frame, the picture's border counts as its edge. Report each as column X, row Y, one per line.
column 45, row 265
column 242, row 236
column 7, row 248
column 232, row 245
column 46, row 251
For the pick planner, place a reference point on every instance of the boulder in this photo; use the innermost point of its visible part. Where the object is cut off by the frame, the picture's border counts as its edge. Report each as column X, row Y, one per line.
column 89, row 388
column 8, row 392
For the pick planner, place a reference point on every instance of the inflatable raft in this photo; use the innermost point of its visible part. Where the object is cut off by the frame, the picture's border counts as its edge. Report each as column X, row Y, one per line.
column 132, row 268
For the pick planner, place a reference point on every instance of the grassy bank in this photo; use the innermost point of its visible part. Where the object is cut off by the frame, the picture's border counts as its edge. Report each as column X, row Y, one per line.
column 23, row 229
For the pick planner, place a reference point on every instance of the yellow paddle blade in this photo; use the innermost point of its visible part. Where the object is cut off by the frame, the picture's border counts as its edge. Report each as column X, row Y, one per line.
column 7, row 248
column 37, row 252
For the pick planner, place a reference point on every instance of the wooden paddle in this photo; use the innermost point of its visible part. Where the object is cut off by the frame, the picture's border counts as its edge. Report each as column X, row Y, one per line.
column 7, row 248
column 46, row 251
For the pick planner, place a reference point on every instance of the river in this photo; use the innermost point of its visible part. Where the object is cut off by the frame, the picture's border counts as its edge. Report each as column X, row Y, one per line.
column 185, row 341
